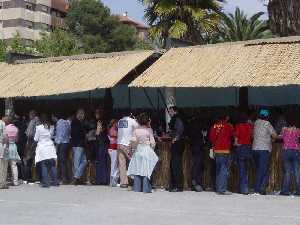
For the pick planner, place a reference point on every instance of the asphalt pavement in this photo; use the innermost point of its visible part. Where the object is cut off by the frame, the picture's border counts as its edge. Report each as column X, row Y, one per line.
column 96, row 205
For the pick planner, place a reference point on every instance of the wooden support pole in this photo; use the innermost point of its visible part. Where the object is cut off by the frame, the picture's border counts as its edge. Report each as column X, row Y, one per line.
column 9, row 106
column 170, row 99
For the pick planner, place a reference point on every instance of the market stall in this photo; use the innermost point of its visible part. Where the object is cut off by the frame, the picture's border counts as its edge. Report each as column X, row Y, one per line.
column 254, row 64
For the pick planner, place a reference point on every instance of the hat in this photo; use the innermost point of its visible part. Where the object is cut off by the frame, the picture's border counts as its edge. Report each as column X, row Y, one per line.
column 264, row 113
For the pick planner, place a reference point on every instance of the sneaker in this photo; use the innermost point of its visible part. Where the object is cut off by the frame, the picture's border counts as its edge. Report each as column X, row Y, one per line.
column 224, row 193
column 75, row 182
column 263, row 193
column 124, row 186
column 284, row 193
column 197, row 188
column 176, row 190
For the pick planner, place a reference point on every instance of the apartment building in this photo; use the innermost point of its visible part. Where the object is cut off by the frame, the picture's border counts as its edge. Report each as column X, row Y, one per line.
column 142, row 30
column 30, row 17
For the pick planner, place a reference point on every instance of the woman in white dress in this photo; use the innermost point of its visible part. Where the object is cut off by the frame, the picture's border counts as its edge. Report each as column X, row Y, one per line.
column 45, row 152
column 144, row 158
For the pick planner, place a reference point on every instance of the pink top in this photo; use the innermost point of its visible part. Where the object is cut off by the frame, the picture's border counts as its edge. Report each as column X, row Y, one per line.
column 11, row 132
column 143, row 135
column 290, row 138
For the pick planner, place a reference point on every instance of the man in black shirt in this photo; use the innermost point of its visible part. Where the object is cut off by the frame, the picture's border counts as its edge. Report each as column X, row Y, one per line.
column 176, row 126
column 78, row 134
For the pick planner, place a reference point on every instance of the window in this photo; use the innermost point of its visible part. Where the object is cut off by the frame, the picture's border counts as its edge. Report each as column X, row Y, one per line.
column 43, row 27
column 45, row 9
column 1, row 5
column 28, row 24
column 29, row 6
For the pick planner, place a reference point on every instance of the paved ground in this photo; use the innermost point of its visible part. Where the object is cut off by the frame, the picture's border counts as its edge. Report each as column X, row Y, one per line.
column 91, row 205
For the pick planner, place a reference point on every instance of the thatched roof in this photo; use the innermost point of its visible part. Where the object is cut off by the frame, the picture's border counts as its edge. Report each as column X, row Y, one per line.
column 52, row 76
column 269, row 62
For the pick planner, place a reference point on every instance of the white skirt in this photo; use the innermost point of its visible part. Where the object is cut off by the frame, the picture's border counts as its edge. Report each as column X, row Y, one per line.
column 143, row 162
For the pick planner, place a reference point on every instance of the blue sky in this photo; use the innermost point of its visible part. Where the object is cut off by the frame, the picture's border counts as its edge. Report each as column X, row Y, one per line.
column 136, row 11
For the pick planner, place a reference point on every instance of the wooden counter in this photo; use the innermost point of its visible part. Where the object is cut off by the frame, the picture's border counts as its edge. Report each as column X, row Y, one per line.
column 161, row 175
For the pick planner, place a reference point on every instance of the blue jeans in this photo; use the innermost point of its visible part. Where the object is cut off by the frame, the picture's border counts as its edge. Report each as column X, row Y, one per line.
column 141, row 184
column 62, row 154
column 79, row 162
column 244, row 154
column 290, row 166
column 222, row 167
column 48, row 166
column 262, row 158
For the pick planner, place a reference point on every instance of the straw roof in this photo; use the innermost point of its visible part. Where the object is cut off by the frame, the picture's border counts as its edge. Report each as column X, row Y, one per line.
column 51, row 76
column 269, row 62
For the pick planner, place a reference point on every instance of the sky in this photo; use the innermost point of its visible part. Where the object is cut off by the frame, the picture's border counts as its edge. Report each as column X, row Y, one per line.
column 136, row 10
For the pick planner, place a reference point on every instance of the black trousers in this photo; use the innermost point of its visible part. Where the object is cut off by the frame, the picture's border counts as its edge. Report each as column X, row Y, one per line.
column 177, row 150
column 197, row 159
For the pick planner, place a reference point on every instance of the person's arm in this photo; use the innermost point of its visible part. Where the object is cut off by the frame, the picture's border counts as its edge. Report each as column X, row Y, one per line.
column 272, row 131
column 36, row 135
column 17, row 135
column 152, row 140
column 179, row 129
column 74, row 129
column 212, row 135
column 280, row 136
column 235, row 135
column 134, row 140
column 99, row 129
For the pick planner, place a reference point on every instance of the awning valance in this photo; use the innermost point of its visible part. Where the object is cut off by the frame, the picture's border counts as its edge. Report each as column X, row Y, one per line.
column 260, row 63
column 62, row 75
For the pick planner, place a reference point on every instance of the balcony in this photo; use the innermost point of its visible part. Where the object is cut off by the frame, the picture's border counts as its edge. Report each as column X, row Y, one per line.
column 57, row 21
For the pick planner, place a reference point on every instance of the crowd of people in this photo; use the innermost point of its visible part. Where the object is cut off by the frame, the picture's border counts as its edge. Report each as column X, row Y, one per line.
column 123, row 150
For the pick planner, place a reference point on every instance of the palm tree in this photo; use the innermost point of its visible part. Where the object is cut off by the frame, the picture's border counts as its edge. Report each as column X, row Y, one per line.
column 238, row 27
column 189, row 20
column 284, row 17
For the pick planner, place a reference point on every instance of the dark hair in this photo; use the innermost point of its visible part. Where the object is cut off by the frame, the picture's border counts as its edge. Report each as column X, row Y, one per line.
column 175, row 108
column 291, row 119
column 112, row 122
column 222, row 116
column 61, row 115
column 143, row 119
column 243, row 118
column 44, row 119
column 263, row 117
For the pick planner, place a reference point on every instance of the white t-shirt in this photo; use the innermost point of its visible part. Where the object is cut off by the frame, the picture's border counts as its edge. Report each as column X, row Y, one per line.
column 126, row 126
column 263, row 131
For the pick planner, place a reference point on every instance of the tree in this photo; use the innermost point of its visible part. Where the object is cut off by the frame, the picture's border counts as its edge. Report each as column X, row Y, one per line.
column 57, row 43
column 96, row 29
column 2, row 51
column 238, row 27
column 17, row 46
column 189, row 20
column 284, row 16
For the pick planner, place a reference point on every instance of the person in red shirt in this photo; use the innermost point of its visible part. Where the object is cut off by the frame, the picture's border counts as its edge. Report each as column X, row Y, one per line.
column 220, row 135
column 243, row 139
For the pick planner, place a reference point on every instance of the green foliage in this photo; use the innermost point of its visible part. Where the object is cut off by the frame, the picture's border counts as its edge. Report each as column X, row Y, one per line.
column 188, row 20
column 17, row 46
column 96, row 29
column 57, row 43
column 2, row 51
column 143, row 45
column 238, row 27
